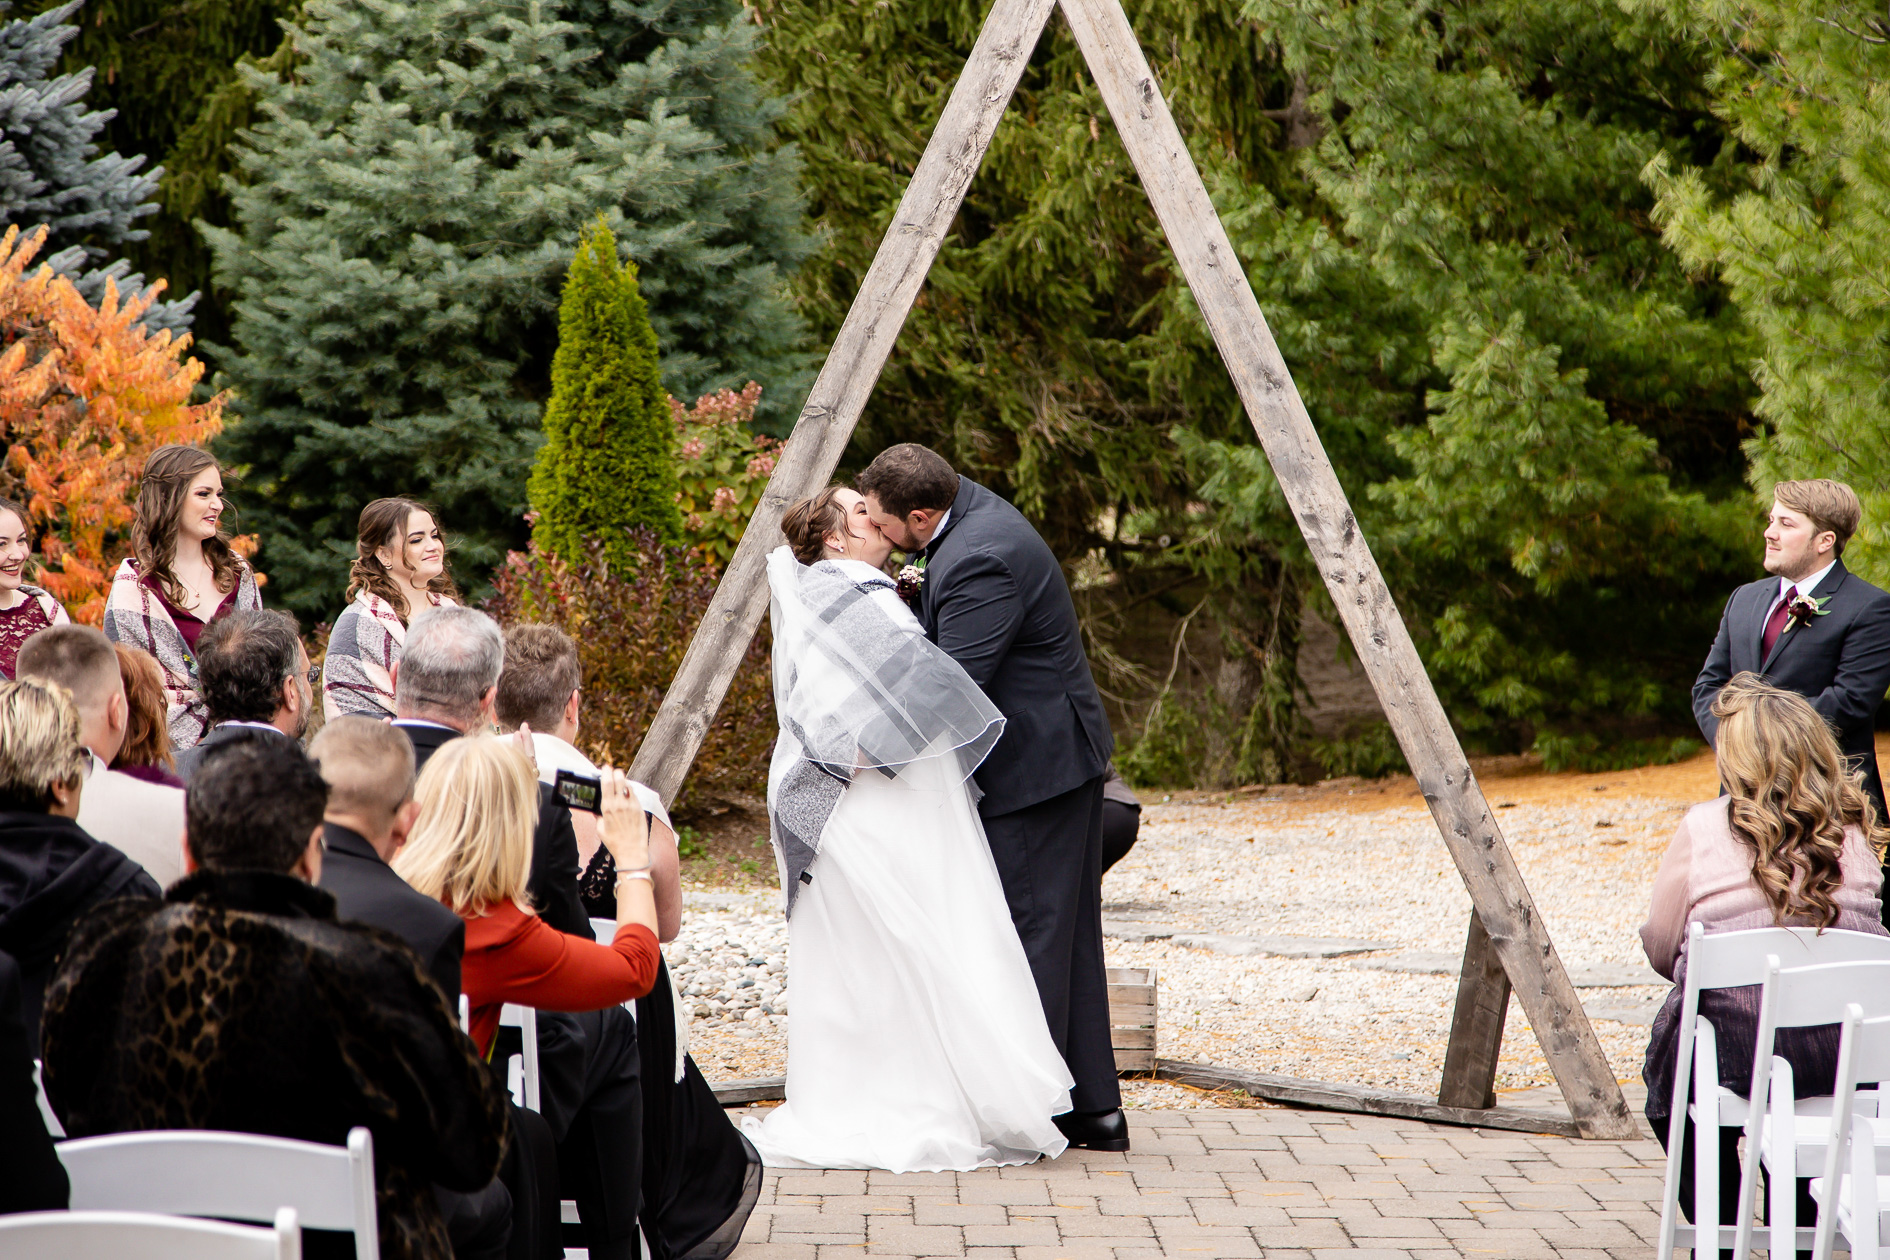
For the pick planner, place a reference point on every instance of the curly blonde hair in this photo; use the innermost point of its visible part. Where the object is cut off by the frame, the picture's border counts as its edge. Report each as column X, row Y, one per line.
column 1793, row 796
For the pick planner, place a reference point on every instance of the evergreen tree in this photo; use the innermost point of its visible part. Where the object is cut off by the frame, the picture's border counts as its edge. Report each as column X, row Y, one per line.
column 1799, row 232
column 413, row 194
column 608, row 463
column 52, row 173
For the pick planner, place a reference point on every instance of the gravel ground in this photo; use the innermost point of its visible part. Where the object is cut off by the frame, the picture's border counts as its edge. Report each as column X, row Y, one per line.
column 1358, row 861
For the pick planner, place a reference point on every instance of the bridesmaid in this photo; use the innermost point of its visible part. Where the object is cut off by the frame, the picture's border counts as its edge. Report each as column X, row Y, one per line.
column 399, row 572
column 25, row 609
column 182, row 575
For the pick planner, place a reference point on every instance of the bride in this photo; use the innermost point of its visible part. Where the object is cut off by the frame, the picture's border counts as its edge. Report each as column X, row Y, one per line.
column 917, row 1042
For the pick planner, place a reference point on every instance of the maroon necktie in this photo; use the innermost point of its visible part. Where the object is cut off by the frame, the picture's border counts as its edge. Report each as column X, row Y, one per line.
column 1775, row 624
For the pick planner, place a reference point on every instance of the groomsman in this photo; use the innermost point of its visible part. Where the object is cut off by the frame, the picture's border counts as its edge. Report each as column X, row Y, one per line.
column 1813, row 627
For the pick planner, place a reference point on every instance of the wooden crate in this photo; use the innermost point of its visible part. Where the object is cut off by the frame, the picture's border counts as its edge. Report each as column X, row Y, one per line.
column 1132, row 1017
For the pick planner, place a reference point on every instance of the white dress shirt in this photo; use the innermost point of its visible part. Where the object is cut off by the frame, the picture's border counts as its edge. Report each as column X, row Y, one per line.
column 143, row 821
column 554, row 754
column 1805, row 587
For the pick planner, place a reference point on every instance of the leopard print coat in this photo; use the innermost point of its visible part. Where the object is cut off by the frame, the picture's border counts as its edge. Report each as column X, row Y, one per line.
column 239, row 1003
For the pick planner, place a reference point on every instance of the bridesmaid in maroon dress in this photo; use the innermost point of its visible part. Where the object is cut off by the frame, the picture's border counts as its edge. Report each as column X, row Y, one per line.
column 25, row 609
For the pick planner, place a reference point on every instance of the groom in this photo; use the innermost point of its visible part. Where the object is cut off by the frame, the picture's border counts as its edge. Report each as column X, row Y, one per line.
column 994, row 598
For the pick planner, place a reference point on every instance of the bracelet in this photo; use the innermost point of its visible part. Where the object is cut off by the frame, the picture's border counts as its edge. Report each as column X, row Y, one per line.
column 642, row 873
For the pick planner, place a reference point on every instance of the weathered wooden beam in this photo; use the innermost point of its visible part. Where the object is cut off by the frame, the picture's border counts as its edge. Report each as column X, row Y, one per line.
column 1318, row 502
column 846, row 380
column 1476, row 1027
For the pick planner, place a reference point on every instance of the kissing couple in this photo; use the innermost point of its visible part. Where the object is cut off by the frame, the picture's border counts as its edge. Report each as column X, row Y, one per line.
column 935, row 800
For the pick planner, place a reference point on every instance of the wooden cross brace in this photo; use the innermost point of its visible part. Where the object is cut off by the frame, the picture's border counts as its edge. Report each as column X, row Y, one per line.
column 1508, row 944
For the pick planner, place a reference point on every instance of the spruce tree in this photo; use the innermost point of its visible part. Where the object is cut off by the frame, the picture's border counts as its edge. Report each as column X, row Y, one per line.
column 52, row 172
column 413, row 195
column 608, row 463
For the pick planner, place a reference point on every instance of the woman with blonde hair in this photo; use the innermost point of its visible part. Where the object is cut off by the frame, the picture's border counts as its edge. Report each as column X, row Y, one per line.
column 1796, row 842
column 182, row 574
column 399, row 572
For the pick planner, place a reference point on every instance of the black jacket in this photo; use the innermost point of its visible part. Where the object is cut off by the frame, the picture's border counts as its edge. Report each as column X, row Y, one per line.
column 240, row 1003
column 554, row 880
column 1839, row 661
column 190, row 758
column 366, row 890
column 51, row 872
column 31, row 1177
column 996, row 600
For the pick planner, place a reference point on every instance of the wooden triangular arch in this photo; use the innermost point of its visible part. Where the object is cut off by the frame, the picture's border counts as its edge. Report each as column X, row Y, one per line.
column 1508, row 943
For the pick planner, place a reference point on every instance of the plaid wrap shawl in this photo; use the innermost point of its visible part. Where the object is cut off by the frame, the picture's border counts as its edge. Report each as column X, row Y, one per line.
column 363, row 648
column 136, row 617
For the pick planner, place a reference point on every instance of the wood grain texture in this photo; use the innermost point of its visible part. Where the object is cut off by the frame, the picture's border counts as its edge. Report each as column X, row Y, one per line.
column 1476, row 1027
column 1312, row 490
column 845, row 382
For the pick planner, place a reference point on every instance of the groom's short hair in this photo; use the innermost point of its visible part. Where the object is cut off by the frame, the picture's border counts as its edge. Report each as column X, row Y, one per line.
column 908, row 478
column 1830, row 505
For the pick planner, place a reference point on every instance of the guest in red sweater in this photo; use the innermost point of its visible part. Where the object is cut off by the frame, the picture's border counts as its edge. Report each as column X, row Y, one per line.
column 471, row 848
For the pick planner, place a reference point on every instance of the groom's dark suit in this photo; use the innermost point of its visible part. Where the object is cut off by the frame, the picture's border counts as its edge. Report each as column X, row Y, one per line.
column 996, row 601
column 1840, row 661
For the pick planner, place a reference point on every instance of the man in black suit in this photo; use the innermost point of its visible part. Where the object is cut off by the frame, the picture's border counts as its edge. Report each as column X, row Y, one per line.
column 1813, row 627
column 995, row 599
column 253, row 674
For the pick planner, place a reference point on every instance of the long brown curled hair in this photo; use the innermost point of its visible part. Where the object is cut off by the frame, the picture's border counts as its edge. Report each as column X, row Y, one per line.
column 147, row 736
column 1793, row 796
column 384, row 524
column 808, row 523
column 168, row 473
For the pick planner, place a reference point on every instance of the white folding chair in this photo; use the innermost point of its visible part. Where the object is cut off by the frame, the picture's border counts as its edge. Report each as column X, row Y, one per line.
column 1850, row 1192
column 521, row 1071
column 144, row 1236
column 1728, row 960
column 53, row 1127
column 1785, row 1133
column 237, row 1176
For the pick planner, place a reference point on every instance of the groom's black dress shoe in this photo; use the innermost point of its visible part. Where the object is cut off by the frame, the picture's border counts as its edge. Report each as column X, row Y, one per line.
column 1095, row 1130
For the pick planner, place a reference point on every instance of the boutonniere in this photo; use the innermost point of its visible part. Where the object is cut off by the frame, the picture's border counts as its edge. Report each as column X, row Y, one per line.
column 910, row 581
column 1803, row 608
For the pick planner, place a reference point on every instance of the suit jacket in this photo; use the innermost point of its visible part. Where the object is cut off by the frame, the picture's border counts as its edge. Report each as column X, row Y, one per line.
column 1840, row 661
column 144, row 821
column 189, row 758
column 554, row 879
column 996, row 601
column 366, row 890
column 31, row 1177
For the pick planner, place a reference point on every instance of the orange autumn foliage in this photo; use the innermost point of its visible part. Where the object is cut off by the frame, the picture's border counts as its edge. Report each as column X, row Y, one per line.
column 85, row 396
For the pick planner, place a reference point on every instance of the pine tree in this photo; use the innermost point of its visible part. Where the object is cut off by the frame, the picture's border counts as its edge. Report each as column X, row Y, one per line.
column 1799, row 232
column 52, row 173
column 608, row 463
column 412, row 199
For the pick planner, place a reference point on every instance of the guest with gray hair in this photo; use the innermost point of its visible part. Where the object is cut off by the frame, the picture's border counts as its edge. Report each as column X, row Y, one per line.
column 445, row 686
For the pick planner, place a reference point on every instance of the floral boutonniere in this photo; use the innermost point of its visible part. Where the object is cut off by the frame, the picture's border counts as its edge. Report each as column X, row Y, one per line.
column 910, row 581
column 1803, row 608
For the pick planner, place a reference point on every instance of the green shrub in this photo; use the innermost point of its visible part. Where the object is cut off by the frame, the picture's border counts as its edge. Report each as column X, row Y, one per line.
column 1371, row 753
column 1588, row 753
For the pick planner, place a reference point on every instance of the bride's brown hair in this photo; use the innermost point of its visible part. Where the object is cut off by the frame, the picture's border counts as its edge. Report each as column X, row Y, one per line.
column 808, row 523
column 1792, row 794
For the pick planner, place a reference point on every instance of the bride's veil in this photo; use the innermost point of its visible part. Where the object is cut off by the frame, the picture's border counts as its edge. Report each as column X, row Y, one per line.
column 856, row 687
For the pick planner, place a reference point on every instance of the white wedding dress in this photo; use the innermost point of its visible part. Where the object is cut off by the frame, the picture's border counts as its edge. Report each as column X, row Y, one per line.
column 916, row 1038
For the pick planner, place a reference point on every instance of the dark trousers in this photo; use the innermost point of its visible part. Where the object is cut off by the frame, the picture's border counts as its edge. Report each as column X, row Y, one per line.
column 591, row 1092
column 1049, row 857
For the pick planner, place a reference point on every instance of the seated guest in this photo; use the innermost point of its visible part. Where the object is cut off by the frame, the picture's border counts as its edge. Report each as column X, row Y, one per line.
column 471, row 849
column 31, row 1177
column 146, row 752
column 25, row 609
column 144, row 821
column 1794, row 842
column 538, row 690
column 181, row 576
column 399, row 572
column 1122, row 818
column 253, row 674
column 445, row 686
column 50, row 870
column 321, row 1026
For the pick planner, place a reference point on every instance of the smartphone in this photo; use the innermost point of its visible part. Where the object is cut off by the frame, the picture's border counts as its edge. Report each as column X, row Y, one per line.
column 579, row 791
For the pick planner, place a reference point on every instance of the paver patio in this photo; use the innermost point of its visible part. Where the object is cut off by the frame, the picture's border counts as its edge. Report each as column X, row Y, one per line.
column 1265, row 1182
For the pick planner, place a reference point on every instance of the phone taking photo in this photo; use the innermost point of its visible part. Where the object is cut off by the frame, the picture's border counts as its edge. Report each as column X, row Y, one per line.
column 579, row 791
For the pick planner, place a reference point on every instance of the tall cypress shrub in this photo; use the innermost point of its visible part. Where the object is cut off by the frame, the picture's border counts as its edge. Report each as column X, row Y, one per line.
column 608, row 462
column 413, row 197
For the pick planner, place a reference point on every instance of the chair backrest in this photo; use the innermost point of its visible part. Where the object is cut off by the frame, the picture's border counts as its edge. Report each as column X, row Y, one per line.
column 525, row 1019
column 53, row 1127
column 237, row 1176
column 144, row 1236
column 1730, row 960
column 1803, row 997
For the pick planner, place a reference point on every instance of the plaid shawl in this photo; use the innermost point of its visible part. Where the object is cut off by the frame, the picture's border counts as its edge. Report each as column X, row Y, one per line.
column 135, row 616
column 363, row 648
